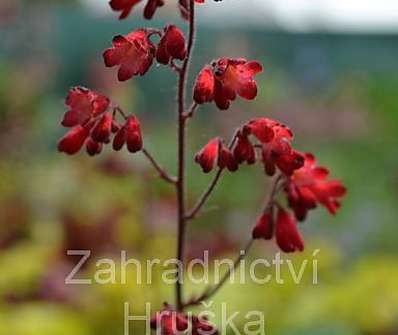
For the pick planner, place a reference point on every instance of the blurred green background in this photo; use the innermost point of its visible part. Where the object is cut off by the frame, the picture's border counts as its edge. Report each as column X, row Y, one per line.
column 337, row 91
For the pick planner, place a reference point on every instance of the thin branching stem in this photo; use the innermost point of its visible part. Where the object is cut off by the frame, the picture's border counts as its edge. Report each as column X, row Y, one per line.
column 210, row 188
column 162, row 172
column 180, row 185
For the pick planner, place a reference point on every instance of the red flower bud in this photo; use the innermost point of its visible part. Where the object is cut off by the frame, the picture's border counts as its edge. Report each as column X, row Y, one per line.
column 133, row 134
column 207, row 157
column 102, row 130
column 204, row 86
column 244, row 150
column 73, row 140
column 227, row 160
column 93, row 147
column 264, row 226
column 120, row 139
column 288, row 237
column 171, row 45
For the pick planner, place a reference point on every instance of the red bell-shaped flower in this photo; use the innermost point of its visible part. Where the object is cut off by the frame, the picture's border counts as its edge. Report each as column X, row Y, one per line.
column 287, row 235
column 225, row 79
column 133, row 54
column 264, row 227
column 73, row 140
column 171, row 45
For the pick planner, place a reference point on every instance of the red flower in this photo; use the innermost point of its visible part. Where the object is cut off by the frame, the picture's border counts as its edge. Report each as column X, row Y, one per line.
column 92, row 147
column 83, row 104
column 74, row 139
column 244, row 150
column 225, row 79
column 169, row 322
column 103, row 129
column 276, row 140
column 171, row 45
column 216, row 152
column 288, row 237
column 129, row 134
column 125, row 7
column 204, row 87
column 226, row 159
column 133, row 53
column 264, row 227
column 309, row 185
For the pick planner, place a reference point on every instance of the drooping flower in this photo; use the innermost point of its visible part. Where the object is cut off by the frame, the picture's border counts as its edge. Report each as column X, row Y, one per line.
column 84, row 104
column 226, row 159
column 309, row 186
column 103, row 129
column 204, row 87
column 244, row 150
column 216, row 153
column 171, row 45
column 92, row 147
column 133, row 54
column 129, row 134
column 287, row 235
column 126, row 6
column 73, row 140
column 207, row 157
column 264, row 228
column 225, row 79
column 277, row 151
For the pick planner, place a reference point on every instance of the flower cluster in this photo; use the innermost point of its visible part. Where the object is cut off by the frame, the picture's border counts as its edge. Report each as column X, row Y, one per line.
column 93, row 124
column 304, row 189
column 134, row 53
column 226, row 78
column 170, row 322
column 303, row 182
column 274, row 140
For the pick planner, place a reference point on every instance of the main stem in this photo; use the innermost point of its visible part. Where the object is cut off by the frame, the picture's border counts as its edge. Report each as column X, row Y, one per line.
column 180, row 185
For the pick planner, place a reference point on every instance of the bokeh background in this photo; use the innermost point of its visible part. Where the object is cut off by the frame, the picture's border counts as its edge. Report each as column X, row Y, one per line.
column 331, row 73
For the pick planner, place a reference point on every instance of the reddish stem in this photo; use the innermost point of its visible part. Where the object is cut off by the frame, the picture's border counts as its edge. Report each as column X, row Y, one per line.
column 180, row 185
column 162, row 172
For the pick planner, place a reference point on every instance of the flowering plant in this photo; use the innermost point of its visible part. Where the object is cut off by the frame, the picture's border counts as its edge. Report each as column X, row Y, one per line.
column 96, row 121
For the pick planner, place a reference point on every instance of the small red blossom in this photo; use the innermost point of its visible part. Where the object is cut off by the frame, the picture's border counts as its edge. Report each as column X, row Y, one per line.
column 277, row 151
column 129, row 134
column 103, row 129
column 227, row 160
column 84, row 104
column 92, row 147
column 171, row 45
column 73, row 140
column 287, row 235
column 126, row 6
column 244, row 150
column 215, row 152
column 169, row 322
column 133, row 54
column 309, row 186
column 204, row 87
column 264, row 227
column 225, row 79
